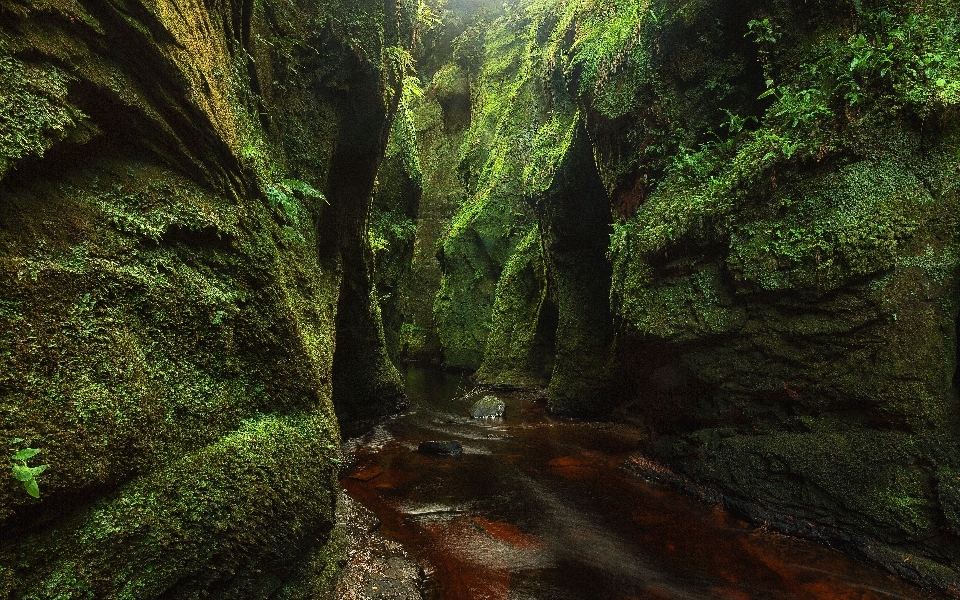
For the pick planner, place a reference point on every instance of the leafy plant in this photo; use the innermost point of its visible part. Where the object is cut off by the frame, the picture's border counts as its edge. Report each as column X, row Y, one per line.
column 795, row 108
column 766, row 34
column 763, row 31
column 281, row 195
column 399, row 64
column 911, row 50
column 24, row 473
column 428, row 19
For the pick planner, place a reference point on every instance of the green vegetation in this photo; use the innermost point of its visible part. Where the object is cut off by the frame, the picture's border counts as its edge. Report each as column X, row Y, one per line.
column 281, row 196
column 782, row 196
column 391, row 229
column 518, row 351
column 24, row 473
column 170, row 290
column 736, row 227
column 34, row 111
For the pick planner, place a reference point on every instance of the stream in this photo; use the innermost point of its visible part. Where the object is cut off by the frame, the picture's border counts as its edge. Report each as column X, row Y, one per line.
column 538, row 508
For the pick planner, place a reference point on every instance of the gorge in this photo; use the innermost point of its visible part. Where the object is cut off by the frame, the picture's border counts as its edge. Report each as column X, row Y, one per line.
column 227, row 227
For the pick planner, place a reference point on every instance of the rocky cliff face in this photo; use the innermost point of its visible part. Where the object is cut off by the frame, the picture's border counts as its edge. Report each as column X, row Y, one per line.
column 447, row 52
column 184, row 190
column 777, row 302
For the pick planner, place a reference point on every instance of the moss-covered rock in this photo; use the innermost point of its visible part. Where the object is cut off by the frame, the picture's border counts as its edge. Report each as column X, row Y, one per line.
column 521, row 344
column 396, row 203
column 231, row 517
column 574, row 224
column 427, row 141
column 783, row 298
column 176, row 235
column 787, row 294
column 527, row 158
column 472, row 256
column 442, row 193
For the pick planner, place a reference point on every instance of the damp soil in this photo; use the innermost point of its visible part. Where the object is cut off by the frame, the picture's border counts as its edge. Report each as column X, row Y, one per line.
column 539, row 508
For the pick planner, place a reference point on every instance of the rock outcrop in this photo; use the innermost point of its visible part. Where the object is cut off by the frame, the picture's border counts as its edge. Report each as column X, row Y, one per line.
column 488, row 407
column 778, row 300
column 184, row 190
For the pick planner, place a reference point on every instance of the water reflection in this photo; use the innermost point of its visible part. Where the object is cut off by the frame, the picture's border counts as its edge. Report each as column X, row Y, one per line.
column 537, row 508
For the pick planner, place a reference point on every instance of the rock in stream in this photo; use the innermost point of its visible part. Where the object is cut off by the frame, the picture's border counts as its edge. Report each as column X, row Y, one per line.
column 488, row 407
column 447, row 448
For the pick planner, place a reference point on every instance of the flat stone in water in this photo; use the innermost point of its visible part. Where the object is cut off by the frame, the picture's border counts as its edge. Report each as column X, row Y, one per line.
column 367, row 474
column 488, row 407
column 447, row 448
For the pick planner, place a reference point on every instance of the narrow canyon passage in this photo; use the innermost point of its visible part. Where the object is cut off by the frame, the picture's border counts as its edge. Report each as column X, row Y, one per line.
column 538, row 508
column 723, row 233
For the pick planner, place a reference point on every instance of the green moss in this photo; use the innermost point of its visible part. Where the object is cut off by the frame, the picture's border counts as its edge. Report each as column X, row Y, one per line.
column 846, row 478
column 139, row 541
column 174, row 316
column 440, row 199
column 509, row 156
column 450, row 80
column 472, row 258
column 35, row 113
column 519, row 349
column 100, row 332
column 392, row 228
column 684, row 308
column 855, row 222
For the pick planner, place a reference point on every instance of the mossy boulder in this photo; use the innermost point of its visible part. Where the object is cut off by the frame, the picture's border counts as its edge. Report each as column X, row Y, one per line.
column 488, row 407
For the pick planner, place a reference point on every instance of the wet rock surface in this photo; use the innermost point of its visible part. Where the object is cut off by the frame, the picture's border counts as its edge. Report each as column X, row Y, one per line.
column 447, row 448
column 374, row 568
column 488, row 407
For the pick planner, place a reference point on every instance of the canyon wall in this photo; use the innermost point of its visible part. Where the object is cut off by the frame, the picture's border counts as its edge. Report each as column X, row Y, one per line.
column 734, row 224
column 185, row 285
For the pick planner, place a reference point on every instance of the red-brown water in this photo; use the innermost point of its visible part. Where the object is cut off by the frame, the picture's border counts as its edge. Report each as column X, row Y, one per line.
column 537, row 508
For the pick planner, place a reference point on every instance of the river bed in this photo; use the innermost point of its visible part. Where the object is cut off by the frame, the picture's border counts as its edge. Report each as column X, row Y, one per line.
column 538, row 508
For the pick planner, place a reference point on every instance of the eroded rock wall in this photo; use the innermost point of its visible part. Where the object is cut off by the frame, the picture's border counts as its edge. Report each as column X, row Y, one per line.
column 181, row 189
column 781, row 186
column 435, row 328
column 787, row 292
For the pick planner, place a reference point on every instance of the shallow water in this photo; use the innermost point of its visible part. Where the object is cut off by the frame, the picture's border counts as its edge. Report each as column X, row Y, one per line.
column 537, row 508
